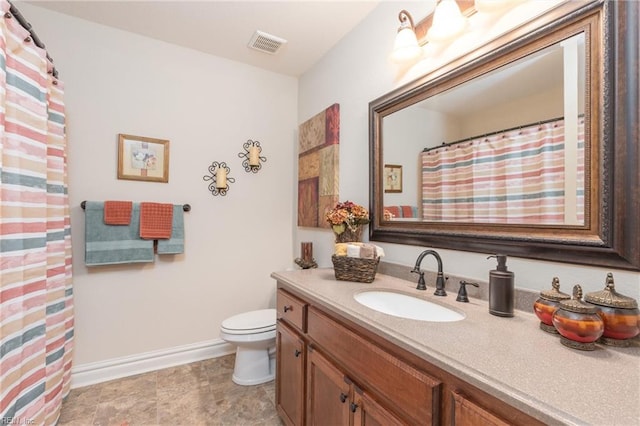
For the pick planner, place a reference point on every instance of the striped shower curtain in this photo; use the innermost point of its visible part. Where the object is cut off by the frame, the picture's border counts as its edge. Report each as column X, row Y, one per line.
column 36, row 297
column 516, row 176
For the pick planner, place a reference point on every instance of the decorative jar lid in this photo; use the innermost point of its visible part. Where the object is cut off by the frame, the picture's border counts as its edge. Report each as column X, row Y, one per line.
column 576, row 304
column 610, row 297
column 554, row 294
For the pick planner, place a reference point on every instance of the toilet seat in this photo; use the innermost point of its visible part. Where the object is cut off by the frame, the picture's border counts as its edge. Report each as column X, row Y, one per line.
column 254, row 322
column 254, row 334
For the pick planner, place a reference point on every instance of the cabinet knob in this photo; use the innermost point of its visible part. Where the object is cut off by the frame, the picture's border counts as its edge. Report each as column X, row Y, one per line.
column 343, row 397
column 297, row 353
column 288, row 308
column 353, row 407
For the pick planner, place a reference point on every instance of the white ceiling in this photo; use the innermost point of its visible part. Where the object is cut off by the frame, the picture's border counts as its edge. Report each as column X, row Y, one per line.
column 224, row 28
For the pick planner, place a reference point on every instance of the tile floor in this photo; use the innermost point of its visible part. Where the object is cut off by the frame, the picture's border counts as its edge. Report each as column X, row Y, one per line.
column 200, row 393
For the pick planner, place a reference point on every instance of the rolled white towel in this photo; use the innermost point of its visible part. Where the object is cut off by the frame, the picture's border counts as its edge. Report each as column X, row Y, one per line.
column 353, row 250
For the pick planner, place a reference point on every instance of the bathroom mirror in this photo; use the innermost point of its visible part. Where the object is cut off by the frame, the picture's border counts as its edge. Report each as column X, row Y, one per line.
column 509, row 149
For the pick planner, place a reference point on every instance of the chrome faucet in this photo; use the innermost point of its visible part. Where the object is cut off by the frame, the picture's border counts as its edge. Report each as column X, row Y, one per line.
column 440, row 278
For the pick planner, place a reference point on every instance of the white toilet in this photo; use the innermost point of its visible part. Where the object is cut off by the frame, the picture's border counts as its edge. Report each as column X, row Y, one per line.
column 254, row 333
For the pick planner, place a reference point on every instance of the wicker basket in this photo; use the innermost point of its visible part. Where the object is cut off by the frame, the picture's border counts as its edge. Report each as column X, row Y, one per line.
column 355, row 268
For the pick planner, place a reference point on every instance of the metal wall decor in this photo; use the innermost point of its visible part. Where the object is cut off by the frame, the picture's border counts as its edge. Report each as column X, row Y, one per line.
column 219, row 177
column 252, row 159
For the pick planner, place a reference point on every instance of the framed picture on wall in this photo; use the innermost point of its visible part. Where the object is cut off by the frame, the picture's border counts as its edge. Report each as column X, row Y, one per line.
column 392, row 178
column 142, row 158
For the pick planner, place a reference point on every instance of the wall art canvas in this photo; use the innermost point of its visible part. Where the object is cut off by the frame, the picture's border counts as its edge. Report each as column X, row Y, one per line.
column 392, row 178
column 142, row 158
column 318, row 167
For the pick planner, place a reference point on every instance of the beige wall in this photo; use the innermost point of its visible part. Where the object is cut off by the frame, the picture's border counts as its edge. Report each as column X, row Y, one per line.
column 118, row 82
column 357, row 71
column 539, row 107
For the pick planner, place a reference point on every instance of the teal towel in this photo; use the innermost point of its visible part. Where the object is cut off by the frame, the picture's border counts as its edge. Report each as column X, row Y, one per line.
column 175, row 244
column 111, row 245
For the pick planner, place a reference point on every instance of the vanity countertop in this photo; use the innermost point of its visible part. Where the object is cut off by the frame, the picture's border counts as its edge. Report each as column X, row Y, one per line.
column 510, row 358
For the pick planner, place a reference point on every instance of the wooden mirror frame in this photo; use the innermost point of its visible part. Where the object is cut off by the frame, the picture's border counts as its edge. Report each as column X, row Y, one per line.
column 610, row 235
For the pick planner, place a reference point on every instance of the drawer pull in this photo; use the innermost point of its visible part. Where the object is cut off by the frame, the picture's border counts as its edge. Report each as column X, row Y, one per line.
column 288, row 308
column 343, row 397
column 297, row 353
column 353, row 407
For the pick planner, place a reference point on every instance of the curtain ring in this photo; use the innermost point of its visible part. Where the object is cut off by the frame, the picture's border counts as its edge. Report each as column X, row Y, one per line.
column 27, row 40
column 55, row 82
column 8, row 15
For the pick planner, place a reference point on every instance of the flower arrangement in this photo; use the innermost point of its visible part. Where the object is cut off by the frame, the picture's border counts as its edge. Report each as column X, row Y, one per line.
column 347, row 217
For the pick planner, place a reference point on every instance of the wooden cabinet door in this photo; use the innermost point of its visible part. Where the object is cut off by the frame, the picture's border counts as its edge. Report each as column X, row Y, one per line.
column 468, row 413
column 328, row 392
column 413, row 394
column 367, row 412
column 290, row 364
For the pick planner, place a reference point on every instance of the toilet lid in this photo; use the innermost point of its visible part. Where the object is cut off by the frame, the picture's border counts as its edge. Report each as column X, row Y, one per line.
column 253, row 321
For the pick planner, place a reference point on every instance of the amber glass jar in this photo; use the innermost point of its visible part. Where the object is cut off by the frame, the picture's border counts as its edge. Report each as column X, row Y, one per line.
column 578, row 322
column 620, row 314
column 547, row 304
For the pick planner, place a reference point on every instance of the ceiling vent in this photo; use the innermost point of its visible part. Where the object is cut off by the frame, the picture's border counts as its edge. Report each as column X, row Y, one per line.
column 266, row 43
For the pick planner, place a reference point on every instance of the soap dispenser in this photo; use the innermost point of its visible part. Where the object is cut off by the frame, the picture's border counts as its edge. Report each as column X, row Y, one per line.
column 501, row 288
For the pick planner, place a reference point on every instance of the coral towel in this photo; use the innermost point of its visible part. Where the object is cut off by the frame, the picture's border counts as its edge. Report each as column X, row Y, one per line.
column 394, row 210
column 407, row 211
column 155, row 220
column 117, row 212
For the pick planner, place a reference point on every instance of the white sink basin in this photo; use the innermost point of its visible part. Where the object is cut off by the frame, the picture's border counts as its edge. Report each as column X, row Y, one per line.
column 405, row 306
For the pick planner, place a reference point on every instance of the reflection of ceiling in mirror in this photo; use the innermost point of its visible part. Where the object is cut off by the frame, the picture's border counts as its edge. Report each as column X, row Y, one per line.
column 541, row 71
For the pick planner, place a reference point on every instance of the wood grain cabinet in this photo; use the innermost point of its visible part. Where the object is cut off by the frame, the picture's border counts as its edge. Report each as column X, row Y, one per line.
column 468, row 413
column 291, row 350
column 328, row 393
column 412, row 395
column 334, row 399
column 290, row 371
column 331, row 371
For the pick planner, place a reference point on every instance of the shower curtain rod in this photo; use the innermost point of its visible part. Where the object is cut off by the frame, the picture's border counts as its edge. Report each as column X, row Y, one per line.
column 537, row 123
column 27, row 26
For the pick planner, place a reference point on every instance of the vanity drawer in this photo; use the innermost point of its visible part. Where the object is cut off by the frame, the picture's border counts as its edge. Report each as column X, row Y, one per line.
column 411, row 393
column 292, row 310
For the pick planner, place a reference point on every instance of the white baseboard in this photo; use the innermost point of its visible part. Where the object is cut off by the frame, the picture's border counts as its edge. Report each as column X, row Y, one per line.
column 102, row 371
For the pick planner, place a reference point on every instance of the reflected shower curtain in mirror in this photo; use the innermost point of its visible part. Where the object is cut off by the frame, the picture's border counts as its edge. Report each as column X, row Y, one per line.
column 516, row 176
column 36, row 302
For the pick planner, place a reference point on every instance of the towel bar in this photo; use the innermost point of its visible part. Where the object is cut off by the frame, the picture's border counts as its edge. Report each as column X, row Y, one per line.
column 185, row 207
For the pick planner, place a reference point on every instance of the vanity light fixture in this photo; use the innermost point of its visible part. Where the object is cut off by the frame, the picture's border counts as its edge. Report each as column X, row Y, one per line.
column 448, row 21
column 406, row 47
column 252, row 159
column 219, row 178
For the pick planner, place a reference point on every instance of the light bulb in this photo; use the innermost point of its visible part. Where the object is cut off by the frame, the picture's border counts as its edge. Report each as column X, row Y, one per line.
column 448, row 21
